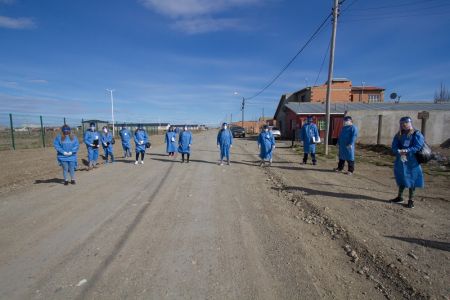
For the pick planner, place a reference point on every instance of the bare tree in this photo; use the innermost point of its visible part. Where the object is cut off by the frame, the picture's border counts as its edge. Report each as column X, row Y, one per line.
column 442, row 95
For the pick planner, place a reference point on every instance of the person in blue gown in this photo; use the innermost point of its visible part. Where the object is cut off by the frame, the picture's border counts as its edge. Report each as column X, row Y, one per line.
column 346, row 141
column 171, row 142
column 66, row 145
column 407, row 170
column 107, row 144
column 224, row 143
column 266, row 145
column 142, row 142
column 309, row 135
column 125, row 137
column 92, row 141
column 184, row 144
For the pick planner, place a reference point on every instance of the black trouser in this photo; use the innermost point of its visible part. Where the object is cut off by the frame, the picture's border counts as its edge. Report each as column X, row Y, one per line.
column 142, row 155
column 351, row 165
column 188, row 156
column 305, row 157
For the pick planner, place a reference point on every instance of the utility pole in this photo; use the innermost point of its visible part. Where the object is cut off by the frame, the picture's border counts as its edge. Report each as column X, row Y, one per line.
column 112, row 109
column 330, row 73
column 262, row 114
column 243, row 108
column 231, row 119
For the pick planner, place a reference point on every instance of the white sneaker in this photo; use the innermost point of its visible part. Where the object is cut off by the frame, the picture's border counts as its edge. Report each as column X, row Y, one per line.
column 136, row 162
column 142, row 162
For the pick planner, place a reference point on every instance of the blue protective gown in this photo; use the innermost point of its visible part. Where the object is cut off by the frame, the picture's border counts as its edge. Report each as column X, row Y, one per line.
column 140, row 139
column 89, row 137
column 224, row 140
column 107, row 138
column 68, row 144
column 308, row 131
column 125, row 136
column 184, row 140
column 266, row 141
column 408, row 174
column 347, row 137
column 171, row 141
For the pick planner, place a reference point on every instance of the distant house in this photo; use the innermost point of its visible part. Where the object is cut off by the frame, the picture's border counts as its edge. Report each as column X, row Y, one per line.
column 342, row 91
column 98, row 123
column 291, row 116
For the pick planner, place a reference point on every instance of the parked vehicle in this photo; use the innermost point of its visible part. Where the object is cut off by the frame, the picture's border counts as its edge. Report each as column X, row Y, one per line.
column 275, row 131
column 237, row 131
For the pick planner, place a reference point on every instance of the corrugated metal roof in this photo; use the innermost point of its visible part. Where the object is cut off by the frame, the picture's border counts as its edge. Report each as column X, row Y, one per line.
column 341, row 108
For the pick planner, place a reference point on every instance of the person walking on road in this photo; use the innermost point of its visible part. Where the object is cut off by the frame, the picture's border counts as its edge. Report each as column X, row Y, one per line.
column 185, row 143
column 107, row 144
column 309, row 135
column 266, row 145
column 142, row 142
column 407, row 170
column 91, row 139
column 66, row 145
column 171, row 142
column 125, row 136
column 224, row 143
column 346, row 141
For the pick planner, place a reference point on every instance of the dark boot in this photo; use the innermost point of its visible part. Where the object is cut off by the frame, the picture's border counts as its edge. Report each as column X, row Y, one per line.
column 397, row 200
column 410, row 204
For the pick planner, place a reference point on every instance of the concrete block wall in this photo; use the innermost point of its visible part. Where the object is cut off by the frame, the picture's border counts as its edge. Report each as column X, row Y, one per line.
column 437, row 127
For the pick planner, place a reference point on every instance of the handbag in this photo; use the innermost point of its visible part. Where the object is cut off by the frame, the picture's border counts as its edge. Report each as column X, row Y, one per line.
column 425, row 154
column 148, row 145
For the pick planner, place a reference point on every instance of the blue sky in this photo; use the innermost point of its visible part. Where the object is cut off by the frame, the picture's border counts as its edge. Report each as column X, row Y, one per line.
column 183, row 60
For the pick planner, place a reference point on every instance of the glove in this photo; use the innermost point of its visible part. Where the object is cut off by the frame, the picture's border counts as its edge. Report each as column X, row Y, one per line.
column 231, row 146
column 141, row 142
column 67, row 153
column 218, row 146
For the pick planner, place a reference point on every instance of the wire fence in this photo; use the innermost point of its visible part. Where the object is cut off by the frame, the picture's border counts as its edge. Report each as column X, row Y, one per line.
column 21, row 131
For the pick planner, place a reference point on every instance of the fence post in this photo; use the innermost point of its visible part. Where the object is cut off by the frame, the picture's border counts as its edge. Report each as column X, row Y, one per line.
column 42, row 132
column 12, row 131
column 380, row 125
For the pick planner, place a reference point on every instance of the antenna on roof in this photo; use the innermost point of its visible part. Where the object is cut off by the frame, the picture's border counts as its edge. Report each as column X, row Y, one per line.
column 395, row 97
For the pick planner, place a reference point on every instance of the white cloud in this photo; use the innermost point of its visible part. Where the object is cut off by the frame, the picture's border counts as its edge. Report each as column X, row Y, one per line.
column 196, row 16
column 38, row 81
column 203, row 25
column 189, row 8
column 16, row 23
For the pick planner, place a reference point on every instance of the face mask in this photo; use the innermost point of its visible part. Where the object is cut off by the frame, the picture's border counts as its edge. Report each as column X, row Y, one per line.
column 185, row 128
column 105, row 130
column 346, row 123
column 266, row 130
column 406, row 126
column 92, row 128
column 225, row 127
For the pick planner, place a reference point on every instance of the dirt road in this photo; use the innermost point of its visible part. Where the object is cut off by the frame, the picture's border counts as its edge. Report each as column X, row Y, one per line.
column 171, row 230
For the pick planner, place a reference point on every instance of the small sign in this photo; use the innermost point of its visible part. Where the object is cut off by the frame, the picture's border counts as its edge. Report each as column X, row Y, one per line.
column 423, row 115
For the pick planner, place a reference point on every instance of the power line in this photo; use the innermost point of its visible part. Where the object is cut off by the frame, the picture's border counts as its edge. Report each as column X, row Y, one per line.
column 373, row 18
column 410, row 4
column 323, row 62
column 313, row 36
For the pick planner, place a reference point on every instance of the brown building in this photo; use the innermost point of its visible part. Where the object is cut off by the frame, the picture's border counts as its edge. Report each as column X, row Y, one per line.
column 342, row 91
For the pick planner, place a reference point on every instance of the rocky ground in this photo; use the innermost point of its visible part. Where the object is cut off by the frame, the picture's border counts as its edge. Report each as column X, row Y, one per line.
column 171, row 230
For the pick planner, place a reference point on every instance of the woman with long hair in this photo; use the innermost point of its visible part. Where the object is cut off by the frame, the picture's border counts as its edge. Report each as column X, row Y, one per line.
column 407, row 170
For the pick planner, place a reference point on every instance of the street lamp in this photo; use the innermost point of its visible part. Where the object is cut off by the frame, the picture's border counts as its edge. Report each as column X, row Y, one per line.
column 362, row 91
column 242, row 108
column 112, row 109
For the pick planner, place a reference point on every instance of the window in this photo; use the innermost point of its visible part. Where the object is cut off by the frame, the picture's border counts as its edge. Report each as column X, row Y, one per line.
column 321, row 124
column 374, row 98
column 303, row 98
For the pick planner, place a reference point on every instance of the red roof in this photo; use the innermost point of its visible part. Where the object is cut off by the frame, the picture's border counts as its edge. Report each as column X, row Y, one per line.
column 367, row 88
